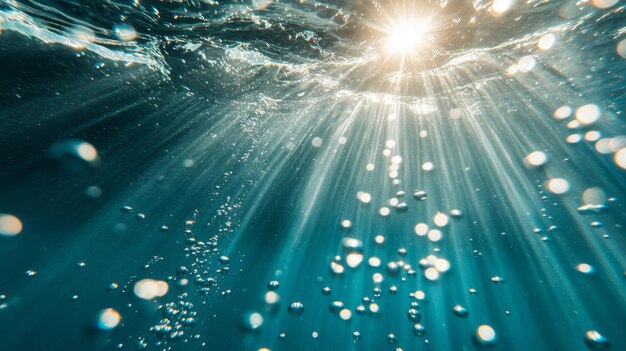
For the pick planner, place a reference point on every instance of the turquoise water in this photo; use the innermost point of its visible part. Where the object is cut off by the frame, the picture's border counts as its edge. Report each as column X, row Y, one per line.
column 312, row 175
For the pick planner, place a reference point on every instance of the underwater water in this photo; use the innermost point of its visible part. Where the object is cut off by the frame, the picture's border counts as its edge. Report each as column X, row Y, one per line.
column 312, row 175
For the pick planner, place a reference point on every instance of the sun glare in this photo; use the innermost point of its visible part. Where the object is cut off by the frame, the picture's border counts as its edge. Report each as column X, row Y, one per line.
column 408, row 37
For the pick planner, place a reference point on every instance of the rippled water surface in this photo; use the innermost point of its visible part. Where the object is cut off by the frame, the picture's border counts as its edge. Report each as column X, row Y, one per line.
column 312, row 175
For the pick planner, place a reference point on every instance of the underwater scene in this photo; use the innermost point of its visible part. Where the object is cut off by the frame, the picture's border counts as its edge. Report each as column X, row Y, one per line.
column 313, row 175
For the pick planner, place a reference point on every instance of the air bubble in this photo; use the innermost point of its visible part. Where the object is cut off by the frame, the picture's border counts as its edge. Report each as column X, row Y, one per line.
column 485, row 335
column 273, row 285
column 296, row 308
column 460, row 311
column 596, row 341
column 253, row 320
column 108, row 319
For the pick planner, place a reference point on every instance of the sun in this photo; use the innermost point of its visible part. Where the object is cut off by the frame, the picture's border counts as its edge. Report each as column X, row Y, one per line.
column 407, row 36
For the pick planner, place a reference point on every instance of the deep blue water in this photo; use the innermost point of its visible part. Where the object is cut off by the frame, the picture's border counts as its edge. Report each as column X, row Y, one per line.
column 312, row 175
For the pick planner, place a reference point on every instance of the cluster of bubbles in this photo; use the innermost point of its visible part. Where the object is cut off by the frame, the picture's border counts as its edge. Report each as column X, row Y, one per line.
column 594, row 198
column 353, row 255
column 177, row 318
column 207, row 265
column 586, row 116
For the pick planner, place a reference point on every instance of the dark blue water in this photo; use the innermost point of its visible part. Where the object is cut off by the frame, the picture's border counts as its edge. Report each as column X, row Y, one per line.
column 312, row 175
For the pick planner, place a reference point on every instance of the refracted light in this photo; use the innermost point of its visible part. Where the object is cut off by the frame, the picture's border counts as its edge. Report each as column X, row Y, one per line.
column 364, row 197
column 419, row 295
column 596, row 341
column 442, row 265
column 149, row 288
column 546, row 41
column 108, row 319
column 317, row 142
column 10, row 225
column 593, row 135
column 535, row 159
column 440, row 219
column 421, row 229
column 485, row 334
column 354, row 259
column 620, row 158
column 431, row 273
column 255, row 320
column 336, row 268
column 621, row 48
column 430, row 259
column 563, row 112
column 585, row 268
column 602, row 146
column 271, row 297
column 456, row 113
column 124, row 32
column 435, row 235
column 93, row 191
column 588, row 114
column 261, row 4
column 573, row 138
column 87, row 152
column 573, row 124
column 346, row 223
column 384, row 211
column 374, row 307
column 604, row 4
column 594, row 196
column 188, row 163
column 558, row 185
column 81, row 35
column 617, row 143
column 501, row 6
column 526, row 63
column 345, row 314
column 512, row 69
column 374, row 261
